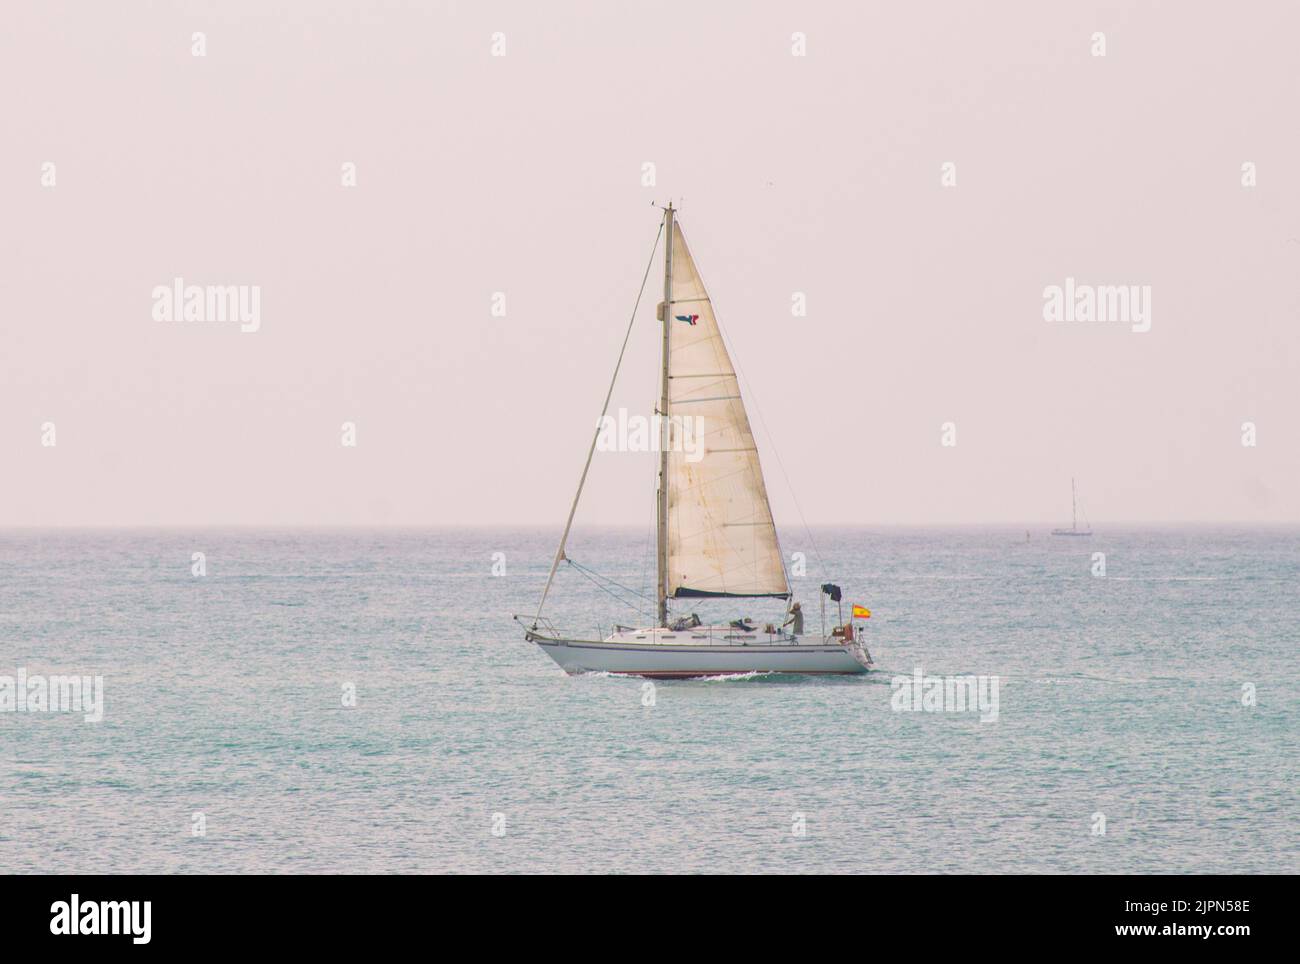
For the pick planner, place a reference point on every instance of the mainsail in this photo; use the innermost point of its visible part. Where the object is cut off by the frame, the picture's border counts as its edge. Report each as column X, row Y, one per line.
column 721, row 540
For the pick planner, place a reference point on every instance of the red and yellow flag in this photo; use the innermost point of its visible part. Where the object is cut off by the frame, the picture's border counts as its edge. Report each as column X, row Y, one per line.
column 861, row 612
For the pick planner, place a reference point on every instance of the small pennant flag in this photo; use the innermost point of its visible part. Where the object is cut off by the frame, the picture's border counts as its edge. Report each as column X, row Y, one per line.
column 861, row 612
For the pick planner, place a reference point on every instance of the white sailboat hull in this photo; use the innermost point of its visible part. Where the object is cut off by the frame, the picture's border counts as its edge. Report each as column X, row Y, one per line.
column 672, row 661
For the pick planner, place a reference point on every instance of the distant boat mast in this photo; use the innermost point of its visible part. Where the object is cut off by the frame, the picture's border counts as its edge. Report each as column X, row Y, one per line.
column 1074, row 529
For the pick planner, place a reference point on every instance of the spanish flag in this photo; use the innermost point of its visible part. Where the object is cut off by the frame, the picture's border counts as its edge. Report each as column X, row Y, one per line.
column 861, row 612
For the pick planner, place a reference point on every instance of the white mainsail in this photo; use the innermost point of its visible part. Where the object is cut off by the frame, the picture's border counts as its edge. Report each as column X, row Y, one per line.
column 721, row 537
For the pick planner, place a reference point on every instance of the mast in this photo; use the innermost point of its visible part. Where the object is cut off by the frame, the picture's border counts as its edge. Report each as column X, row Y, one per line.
column 661, row 536
column 1074, row 505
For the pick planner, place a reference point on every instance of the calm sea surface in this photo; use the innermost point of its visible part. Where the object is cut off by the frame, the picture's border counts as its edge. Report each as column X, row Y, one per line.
column 1120, row 696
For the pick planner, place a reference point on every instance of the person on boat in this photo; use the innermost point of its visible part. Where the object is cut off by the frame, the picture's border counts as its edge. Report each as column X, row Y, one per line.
column 796, row 617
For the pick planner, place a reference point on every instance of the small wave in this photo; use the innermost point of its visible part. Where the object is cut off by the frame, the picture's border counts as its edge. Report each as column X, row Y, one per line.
column 735, row 677
column 938, row 577
column 715, row 678
column 1164, row 578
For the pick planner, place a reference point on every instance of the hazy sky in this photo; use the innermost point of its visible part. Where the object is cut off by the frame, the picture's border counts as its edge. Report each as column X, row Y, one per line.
column 522, row 174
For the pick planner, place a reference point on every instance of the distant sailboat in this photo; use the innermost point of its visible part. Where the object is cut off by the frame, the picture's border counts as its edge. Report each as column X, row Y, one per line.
column 1074, row 529
column 715, row 537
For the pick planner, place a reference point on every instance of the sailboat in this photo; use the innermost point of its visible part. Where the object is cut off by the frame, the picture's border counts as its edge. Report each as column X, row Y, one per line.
column 714, row 535
column 1074, row 529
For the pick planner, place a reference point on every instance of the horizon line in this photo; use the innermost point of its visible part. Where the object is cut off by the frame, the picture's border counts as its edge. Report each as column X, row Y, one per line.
column 1124, row 523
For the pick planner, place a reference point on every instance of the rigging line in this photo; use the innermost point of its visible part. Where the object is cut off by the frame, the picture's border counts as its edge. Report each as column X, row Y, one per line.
column 559, row 552
column 600, row 575
column 603, row 589
column 609, row 592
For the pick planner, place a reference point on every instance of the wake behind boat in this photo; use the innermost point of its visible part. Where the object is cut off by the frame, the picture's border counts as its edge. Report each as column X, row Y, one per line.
column 715, row 537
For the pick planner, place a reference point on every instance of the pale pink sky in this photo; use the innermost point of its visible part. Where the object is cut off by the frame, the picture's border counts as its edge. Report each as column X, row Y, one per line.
column 522, row 174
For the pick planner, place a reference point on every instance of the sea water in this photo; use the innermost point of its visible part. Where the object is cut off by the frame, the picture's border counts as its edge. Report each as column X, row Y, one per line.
column 334, row 701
